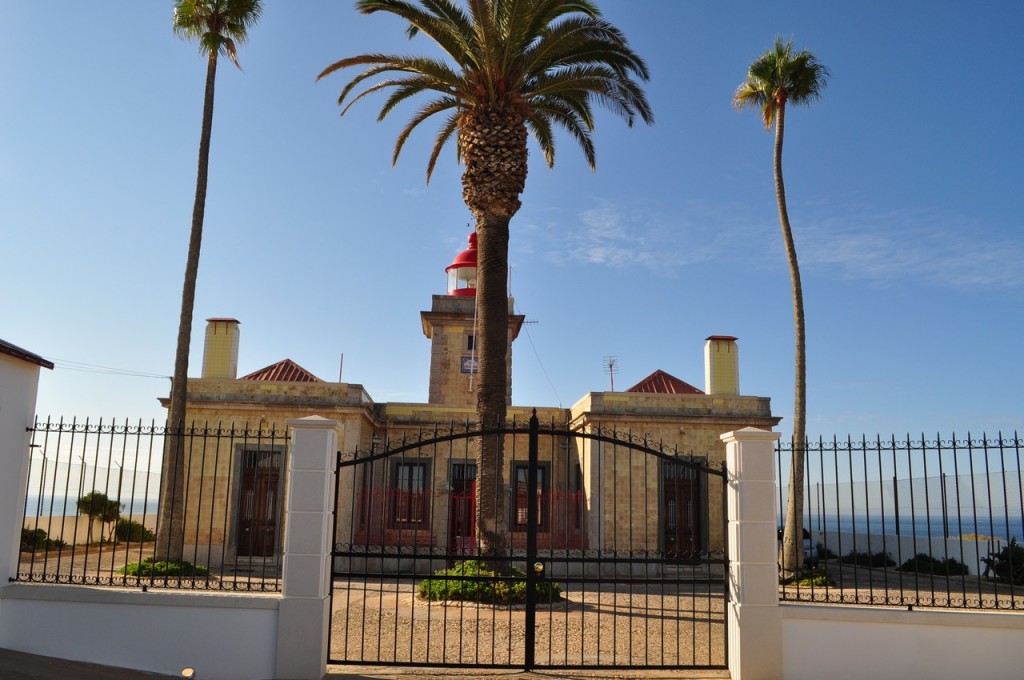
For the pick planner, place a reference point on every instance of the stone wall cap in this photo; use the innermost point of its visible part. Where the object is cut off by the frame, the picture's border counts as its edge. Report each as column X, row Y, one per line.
column 314, row 423
column 750, row 434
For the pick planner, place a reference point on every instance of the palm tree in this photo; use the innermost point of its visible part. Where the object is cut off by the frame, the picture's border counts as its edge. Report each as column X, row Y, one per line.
column 219, row 26
column 517, row 67
column 777, row 78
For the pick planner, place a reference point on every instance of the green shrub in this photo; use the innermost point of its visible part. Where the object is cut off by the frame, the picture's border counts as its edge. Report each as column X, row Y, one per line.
column 1008, row 564
column 483, row 585
column 33, row 539
column 826, row 554
column 130, row 530
column 148, row 567
column 810, row 578
column 863, row 559
column 926, row 564
column 36, row 539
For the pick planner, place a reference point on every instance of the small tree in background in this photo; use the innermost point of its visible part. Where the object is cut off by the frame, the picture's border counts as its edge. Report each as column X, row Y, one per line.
column 97, row 506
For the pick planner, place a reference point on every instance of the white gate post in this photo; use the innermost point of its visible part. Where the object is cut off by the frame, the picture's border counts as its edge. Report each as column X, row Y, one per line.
column 302, row 624
column 19, row 382
column 755, row 625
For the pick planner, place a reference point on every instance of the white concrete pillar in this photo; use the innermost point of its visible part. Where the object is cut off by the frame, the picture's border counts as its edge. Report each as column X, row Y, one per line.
column 19, row 382
column 302, row 626
column 755, row 625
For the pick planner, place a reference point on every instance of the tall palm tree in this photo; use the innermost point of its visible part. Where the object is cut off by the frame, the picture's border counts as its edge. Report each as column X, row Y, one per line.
column 777, row 78
column 513, row 68
column 219, row 26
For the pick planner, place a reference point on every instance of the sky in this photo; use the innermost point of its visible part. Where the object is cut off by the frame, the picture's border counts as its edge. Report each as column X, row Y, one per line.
column 904, row 186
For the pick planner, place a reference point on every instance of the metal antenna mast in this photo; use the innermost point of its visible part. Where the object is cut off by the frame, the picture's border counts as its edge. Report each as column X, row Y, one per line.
column 611, row 369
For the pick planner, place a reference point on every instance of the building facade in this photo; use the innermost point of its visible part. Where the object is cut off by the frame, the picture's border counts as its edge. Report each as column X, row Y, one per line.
column 427, row 499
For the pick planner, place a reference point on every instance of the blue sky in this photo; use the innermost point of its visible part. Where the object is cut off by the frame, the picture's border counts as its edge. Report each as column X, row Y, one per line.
column 904, row 188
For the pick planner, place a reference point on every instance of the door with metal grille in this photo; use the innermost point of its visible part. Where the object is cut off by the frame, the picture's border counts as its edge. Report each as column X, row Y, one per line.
column 258, row 510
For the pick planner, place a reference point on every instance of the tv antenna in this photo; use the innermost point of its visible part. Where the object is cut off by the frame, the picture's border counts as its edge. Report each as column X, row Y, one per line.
column 611, row 368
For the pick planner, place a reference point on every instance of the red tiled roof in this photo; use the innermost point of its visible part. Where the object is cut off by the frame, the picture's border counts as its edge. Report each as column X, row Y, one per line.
column 661, row 382
column 283, row 371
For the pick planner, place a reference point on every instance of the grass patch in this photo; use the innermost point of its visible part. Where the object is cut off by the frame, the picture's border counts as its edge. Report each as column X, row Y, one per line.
column 475, row 581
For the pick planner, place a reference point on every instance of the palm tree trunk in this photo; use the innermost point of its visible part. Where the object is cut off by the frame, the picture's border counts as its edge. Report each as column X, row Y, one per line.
column 493, row 144
column 170, row 521
column 792, row 541
column 492, row 319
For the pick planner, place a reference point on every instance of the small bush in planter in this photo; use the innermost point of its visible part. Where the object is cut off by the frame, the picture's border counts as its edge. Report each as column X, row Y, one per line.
column 926, row 564
column 485, row 585
column 149, row 568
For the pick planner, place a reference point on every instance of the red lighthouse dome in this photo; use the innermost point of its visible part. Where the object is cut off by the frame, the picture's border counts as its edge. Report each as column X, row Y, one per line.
column 462, row 271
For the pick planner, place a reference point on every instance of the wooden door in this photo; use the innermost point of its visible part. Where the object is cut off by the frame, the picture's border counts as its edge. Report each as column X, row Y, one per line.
column 258, row 504
column 680, row 505
column 462, row 509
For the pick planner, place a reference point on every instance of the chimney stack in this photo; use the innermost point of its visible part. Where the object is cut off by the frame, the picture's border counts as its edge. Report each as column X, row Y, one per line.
column 721, row 365
column 220, row 355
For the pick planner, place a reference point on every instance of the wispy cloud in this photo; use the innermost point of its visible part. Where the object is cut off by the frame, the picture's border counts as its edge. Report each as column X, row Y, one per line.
column 881, row 248
column 612, row 235
column 935, row 249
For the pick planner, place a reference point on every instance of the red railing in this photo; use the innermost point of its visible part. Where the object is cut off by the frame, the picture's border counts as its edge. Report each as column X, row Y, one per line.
column 560, row 520
column 392, row 516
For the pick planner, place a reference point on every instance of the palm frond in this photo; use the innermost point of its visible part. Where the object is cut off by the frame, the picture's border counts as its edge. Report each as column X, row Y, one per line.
column 443, row 135
column 218, row 26
column 540, row 127
column 779, row 77
column 562, row 113
column 406, row 88
column 546, row 60
column 436, row 106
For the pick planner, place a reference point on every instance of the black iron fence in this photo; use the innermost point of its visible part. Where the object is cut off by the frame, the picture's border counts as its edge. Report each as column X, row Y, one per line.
column 910, row 522
column 93, row 511
column 611, row 553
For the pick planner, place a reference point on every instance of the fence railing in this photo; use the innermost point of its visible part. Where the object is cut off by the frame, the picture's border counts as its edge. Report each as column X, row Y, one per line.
column 93, row 515
column 910, row 522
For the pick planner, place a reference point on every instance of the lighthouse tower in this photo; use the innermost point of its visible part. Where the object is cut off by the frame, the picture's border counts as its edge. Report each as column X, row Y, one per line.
column 451, row 326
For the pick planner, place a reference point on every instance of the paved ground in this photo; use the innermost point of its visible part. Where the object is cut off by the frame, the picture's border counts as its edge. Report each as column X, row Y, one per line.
column 21, row 666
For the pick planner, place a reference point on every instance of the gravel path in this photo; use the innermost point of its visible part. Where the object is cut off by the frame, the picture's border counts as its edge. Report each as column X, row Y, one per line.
column 388, row 623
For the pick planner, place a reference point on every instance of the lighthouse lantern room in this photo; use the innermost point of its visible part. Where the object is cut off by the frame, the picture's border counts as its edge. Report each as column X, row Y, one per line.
column 462, row 271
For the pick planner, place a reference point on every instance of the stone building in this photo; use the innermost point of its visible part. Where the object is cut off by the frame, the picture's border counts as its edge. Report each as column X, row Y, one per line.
column 426, row 499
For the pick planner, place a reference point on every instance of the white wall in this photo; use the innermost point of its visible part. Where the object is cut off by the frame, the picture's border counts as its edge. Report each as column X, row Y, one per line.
column 903, row 548
column 228, row 637
column 870, row 642
column 222, row 636
column 19, row 381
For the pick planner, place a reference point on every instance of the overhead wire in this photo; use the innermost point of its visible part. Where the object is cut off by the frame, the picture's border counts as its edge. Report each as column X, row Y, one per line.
column 539, row 362
column 70, row 365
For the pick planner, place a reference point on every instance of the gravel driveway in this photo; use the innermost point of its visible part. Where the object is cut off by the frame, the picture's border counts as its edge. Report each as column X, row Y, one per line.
column 624, row 627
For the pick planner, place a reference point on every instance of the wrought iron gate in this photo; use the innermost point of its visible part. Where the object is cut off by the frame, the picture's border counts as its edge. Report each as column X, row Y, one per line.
column 613, row 553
